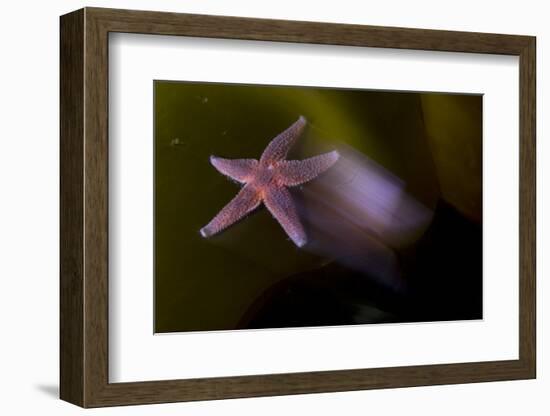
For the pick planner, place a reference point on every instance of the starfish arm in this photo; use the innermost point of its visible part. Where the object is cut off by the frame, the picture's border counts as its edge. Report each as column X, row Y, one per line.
column 240, row 170
column 279, row 202
column 278, row 148
column 244, row 202
column 297, row 172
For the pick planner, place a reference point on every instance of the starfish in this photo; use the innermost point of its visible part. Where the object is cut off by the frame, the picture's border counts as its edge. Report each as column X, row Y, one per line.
column 266, row 180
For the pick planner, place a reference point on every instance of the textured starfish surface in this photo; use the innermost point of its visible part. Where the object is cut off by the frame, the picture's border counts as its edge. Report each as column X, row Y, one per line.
column 266, row 180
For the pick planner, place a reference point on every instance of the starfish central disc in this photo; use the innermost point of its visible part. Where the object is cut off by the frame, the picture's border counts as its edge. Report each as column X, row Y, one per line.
column 266, row 181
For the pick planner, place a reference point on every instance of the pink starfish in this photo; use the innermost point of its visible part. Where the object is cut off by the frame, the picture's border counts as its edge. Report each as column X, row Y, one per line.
column 266, row 181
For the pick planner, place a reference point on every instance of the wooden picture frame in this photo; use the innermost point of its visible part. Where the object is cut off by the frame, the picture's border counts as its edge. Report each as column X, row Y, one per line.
column 84, row 207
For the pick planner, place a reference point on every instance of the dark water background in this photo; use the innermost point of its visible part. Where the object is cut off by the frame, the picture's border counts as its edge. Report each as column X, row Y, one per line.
column 251, row 275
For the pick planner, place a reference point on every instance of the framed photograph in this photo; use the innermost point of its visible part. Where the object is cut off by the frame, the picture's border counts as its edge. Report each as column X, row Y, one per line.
column 260, row 207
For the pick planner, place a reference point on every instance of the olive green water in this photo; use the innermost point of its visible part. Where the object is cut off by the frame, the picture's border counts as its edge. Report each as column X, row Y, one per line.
column 431, row 141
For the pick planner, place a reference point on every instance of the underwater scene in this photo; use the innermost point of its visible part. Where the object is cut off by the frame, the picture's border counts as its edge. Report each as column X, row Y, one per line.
column 281, row 207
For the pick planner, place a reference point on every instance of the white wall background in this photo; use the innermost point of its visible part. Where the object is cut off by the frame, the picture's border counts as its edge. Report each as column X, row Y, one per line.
column 29, row 206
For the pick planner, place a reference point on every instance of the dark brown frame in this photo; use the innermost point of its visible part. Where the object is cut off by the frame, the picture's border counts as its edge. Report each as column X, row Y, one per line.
column 84, row 213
